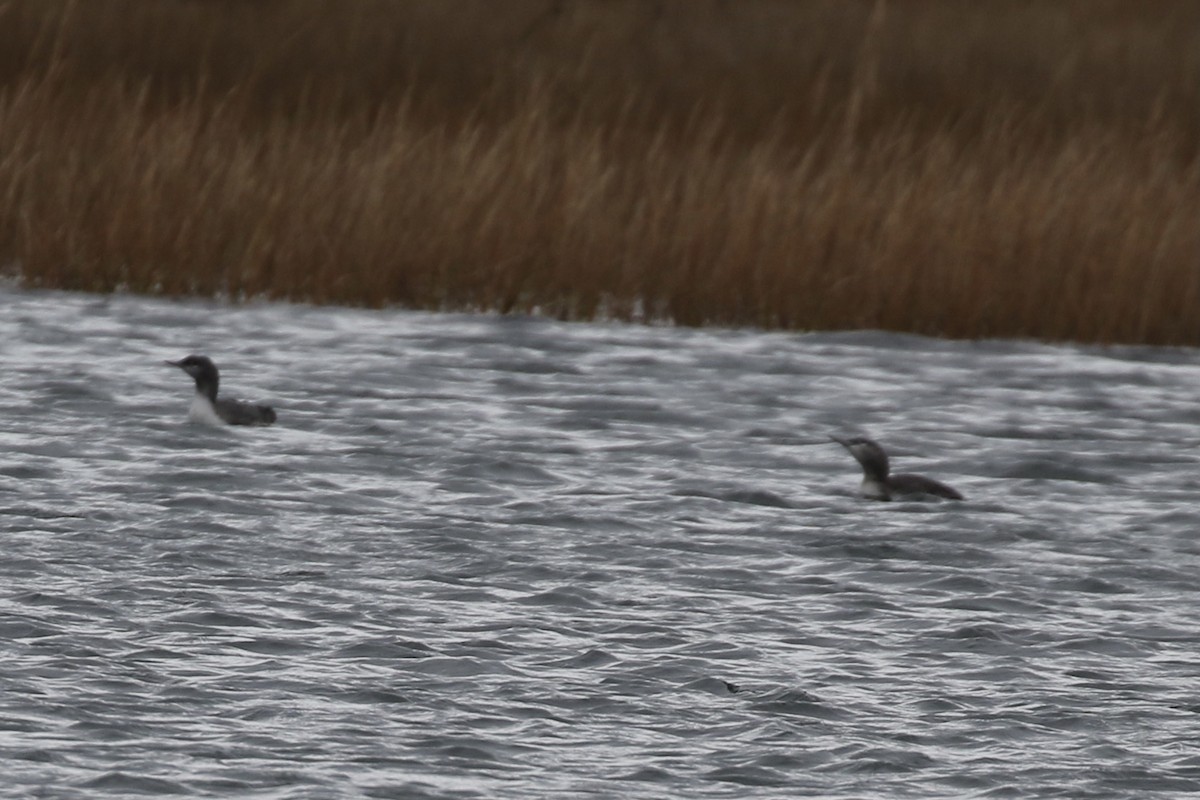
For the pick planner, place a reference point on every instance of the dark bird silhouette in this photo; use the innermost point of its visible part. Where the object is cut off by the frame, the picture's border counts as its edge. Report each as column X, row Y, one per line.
column 207, row 407
column 879, row 484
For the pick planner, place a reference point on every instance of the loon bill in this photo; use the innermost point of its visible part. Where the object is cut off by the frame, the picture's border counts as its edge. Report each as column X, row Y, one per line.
column 213, row 410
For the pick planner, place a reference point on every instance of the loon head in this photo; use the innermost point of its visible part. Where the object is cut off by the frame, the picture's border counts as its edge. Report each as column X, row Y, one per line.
column 869, row 454
column 203, row 371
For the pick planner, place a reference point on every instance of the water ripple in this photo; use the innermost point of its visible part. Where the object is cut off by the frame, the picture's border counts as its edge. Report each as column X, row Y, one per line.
column 483, row 556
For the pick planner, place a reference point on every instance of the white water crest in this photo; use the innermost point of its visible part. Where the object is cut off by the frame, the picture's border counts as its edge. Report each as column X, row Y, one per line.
column 483, row 556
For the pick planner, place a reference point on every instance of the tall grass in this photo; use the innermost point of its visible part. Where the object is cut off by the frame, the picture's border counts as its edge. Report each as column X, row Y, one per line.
column 1010, row 168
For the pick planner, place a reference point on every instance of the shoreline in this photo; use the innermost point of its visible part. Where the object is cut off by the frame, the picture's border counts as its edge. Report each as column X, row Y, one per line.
column 859, row 182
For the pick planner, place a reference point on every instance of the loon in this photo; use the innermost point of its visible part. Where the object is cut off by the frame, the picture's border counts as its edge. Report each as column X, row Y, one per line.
column 206, row 407
column 879, row 485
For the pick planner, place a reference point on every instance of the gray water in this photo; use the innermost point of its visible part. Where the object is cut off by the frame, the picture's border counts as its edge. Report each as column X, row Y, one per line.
column 485, row 557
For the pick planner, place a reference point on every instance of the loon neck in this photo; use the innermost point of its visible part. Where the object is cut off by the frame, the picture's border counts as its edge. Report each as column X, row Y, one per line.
column 874, row 470
column 206, row 386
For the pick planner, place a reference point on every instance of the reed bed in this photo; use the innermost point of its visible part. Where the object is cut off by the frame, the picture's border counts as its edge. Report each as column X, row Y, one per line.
column 1011, row 168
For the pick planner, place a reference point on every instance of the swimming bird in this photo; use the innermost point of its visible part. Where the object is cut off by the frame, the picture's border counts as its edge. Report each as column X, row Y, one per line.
column 207, row 407
column 878, row 484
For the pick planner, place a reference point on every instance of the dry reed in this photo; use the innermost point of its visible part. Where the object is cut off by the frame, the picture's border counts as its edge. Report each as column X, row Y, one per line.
column 1015, row 168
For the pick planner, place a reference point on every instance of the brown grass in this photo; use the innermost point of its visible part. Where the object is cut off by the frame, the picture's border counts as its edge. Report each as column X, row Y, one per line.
column 1010, row 168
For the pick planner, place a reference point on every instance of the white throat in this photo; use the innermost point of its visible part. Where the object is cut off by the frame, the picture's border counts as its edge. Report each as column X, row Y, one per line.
column 874, row 490
column 202, row 411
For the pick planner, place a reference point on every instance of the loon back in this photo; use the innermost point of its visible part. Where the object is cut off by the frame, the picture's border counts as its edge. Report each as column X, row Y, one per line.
column 237, row 412
column 919, row 484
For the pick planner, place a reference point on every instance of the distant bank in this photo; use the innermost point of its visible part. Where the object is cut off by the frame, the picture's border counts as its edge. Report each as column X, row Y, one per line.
column 955, row 169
